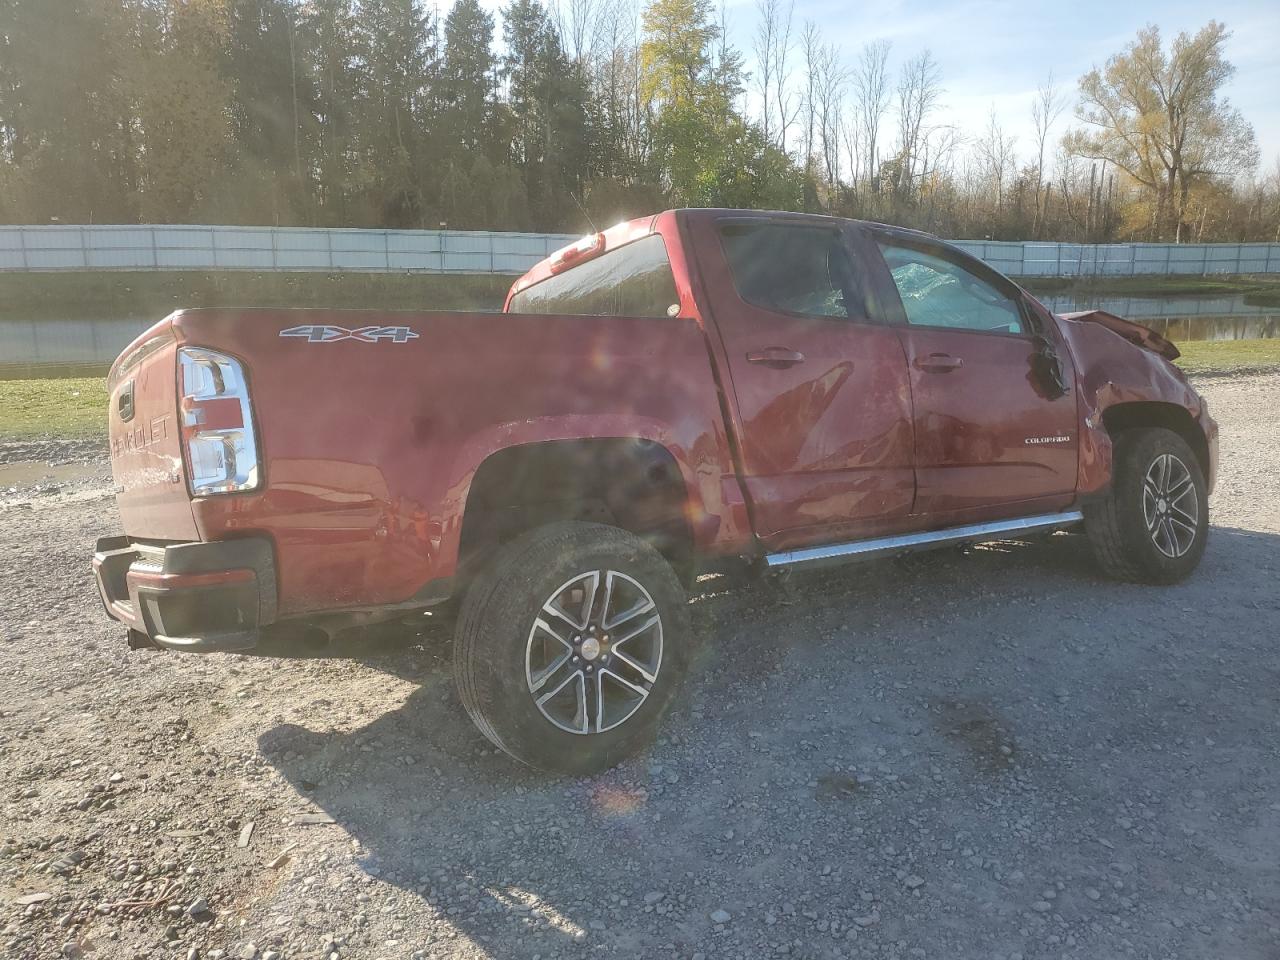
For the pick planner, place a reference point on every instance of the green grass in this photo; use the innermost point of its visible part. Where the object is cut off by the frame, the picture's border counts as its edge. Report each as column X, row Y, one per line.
column 1219, row 357
column 61, row 408
column 78, row 407
column 77, row 295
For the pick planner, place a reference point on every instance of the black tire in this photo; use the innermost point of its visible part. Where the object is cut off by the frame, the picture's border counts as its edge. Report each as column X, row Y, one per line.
column 1126, row 544
column 496, row 634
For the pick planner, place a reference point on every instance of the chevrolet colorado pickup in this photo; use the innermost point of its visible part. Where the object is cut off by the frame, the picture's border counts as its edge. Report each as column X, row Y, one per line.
column 662, row 397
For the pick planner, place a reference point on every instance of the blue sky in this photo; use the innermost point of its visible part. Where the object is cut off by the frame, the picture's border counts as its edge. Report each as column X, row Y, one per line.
column 996, row 52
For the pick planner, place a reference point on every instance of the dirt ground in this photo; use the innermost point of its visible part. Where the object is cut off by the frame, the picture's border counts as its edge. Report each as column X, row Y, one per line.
column 991, row 755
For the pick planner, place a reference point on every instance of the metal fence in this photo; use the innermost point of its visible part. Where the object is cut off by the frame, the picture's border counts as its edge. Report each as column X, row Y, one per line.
column 284, row 249
column 1031, row 259
column 454, row 251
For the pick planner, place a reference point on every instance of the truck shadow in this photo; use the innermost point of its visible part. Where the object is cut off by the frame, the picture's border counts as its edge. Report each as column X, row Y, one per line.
column 521, row 864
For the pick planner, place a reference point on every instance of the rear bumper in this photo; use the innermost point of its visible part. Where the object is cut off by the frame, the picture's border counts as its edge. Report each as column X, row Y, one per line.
column 196, row 597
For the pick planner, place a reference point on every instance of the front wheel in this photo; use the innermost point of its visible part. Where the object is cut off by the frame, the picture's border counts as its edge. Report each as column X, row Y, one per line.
column 1153, row 523
column 570, row 646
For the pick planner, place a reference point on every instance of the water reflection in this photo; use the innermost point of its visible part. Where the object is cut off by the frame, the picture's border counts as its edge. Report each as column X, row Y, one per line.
column 1182, row 317
column 64, row 347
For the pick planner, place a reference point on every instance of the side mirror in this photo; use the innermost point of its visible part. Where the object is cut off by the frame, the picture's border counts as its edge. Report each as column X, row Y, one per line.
column 1046, row 369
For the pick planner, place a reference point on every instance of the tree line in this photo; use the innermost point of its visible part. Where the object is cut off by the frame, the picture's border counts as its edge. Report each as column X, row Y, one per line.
column 391, row 113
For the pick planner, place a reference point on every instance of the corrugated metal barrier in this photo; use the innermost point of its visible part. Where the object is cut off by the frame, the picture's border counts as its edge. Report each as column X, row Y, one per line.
column 284, row 249
column 455, row 251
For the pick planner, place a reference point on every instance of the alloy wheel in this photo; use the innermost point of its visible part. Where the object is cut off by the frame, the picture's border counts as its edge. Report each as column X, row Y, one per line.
column 1170, row 505
column 594, row 652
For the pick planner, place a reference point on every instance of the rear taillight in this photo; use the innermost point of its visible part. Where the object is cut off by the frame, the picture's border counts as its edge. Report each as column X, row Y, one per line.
column 217, row 423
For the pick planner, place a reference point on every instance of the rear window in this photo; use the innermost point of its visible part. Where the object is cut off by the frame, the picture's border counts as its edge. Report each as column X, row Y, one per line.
column 634, row 280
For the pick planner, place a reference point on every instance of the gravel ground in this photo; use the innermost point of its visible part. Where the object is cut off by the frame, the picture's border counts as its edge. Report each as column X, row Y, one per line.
column 997, row 754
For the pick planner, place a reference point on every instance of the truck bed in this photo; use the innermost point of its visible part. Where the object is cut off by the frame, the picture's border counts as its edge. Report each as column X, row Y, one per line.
column 369, row 445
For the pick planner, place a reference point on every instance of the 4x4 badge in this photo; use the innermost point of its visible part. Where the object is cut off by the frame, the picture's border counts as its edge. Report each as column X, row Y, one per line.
column 324, row 333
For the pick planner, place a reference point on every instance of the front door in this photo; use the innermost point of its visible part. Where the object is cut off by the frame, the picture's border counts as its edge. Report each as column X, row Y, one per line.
column 822, row 410
column 993, row 438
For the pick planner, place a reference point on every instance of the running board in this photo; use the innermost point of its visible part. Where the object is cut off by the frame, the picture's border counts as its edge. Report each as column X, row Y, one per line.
column 908, row 542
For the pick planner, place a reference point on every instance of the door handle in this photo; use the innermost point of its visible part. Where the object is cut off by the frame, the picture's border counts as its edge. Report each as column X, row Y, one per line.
column 938, row 363
column 776, row 357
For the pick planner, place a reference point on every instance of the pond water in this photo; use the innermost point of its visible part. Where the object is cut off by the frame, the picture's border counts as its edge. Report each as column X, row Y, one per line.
column 1184, row 317
column 64, row 346
column 31, row 348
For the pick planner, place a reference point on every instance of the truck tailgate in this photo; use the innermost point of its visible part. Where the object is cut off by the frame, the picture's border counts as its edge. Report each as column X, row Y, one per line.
column 146, row 443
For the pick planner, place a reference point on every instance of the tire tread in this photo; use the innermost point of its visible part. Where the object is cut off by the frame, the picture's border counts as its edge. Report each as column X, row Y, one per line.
column 500, row 594
column 1119, row 545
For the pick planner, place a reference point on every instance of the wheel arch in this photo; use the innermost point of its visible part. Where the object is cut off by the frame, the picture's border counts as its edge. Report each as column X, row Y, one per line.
column 1147, row 414
column 629, row 482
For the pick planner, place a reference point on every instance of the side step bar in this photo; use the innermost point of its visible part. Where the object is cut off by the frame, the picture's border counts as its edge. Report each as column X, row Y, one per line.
column 909, row 542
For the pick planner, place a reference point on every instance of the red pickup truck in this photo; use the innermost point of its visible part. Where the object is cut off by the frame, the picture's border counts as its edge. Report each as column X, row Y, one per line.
column 667, row 395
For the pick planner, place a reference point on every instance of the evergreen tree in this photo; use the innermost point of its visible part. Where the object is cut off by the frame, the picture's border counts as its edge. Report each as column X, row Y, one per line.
column 272, row 108
column 337, row 59
column 547, row 99
column 469, row 79
column 400, row 45
column 65, row 112
column 183, row 101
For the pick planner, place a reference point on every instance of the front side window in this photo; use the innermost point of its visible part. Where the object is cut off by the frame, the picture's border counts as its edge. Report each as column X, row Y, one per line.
column 939, row 293
column 793, row 268
column 634, row 280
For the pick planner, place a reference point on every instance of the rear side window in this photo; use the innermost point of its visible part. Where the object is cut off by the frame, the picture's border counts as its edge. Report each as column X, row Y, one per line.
column 793, row 268
column 634, row 280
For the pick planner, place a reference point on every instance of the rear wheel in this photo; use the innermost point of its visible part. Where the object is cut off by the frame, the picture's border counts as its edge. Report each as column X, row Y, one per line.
column 1154, row 522
column 570, row 646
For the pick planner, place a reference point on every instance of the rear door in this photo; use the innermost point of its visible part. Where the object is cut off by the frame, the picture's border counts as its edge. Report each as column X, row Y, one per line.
column 820, row 392
column 992, row 438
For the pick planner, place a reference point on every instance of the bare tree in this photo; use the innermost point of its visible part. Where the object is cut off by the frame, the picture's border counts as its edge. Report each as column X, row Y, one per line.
column 766, row 39
column 810, row 47
column 1272, row 196
column 577, row 22
column 772, row 48
column 851, row 136
column 830, row 78
column 1046, row 108
column 995, row 151
column 615, row 67
column 919, row 89
column 871, row 91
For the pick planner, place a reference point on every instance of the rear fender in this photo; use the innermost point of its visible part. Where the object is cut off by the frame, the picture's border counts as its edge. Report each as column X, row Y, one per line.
column 714, row 510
